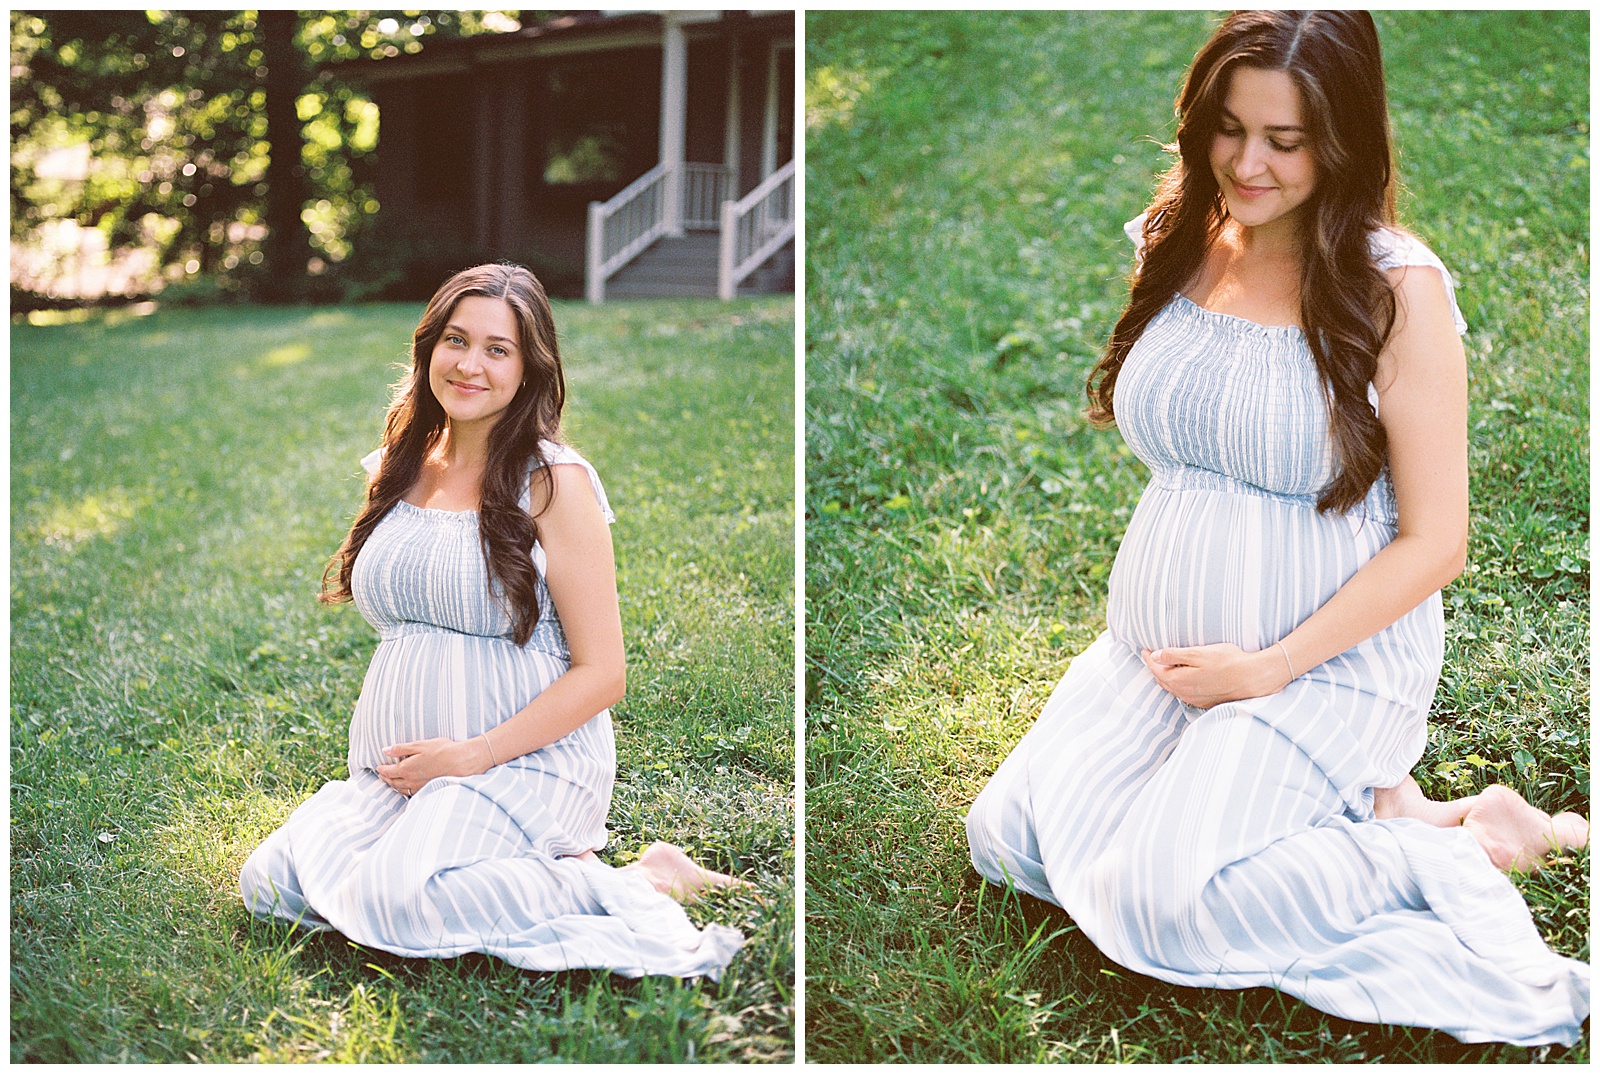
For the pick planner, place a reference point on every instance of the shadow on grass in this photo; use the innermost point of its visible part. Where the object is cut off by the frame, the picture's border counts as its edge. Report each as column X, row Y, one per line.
column 1253, row 1024
column 363, row 1004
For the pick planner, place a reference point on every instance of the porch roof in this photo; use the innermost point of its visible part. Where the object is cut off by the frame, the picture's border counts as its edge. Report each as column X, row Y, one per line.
column 576, row 32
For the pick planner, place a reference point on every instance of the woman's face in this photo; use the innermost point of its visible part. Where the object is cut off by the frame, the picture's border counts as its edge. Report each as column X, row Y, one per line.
column 1260, row 155
column 476, row 366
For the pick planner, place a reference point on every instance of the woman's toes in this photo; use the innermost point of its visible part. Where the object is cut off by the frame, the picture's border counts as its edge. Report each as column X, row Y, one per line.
column 1571, row 830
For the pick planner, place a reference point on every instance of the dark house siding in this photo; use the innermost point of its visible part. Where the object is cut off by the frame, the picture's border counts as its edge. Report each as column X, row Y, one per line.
column 501, row 156
column 705, row 125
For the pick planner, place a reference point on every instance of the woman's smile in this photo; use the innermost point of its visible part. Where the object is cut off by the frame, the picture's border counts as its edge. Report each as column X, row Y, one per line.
column 1249, row 192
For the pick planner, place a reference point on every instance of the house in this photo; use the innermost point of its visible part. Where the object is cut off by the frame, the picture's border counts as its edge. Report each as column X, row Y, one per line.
column 639, row 153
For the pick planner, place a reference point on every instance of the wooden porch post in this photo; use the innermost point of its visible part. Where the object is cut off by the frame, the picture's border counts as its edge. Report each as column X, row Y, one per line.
column 483, row 177
column 730, row 130
column 674, row 112
column 769, row 116
column 512, row 131
column 727, row 249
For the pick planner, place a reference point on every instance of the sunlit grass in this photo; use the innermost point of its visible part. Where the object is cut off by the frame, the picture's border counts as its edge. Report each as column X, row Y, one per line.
column 968, row 175
column 178, row 481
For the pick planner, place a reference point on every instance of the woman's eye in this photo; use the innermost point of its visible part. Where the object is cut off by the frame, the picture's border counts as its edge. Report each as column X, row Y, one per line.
column 1285, row 148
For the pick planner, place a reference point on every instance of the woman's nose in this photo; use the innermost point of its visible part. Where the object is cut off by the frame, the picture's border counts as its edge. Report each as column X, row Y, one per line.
column 1251, row 162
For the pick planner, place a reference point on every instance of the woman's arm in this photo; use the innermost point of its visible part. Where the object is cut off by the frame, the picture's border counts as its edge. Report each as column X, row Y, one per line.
column 582, row 576
column 1422, row 390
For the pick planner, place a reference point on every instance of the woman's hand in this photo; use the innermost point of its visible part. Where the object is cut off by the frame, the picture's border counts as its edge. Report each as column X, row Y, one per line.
column 417, row 762
column 1207, row 675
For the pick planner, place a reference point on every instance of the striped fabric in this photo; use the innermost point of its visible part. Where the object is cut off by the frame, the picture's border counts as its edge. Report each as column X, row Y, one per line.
column 1236, row 847
column 478, row 863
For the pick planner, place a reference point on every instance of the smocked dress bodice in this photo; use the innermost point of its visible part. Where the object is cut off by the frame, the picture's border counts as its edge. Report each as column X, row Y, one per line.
column 1209, row 400
column 423, row 570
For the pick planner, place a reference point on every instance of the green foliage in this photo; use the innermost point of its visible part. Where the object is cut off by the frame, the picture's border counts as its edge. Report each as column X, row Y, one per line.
column 177, row 484
column 170, row 107
column 967, row 176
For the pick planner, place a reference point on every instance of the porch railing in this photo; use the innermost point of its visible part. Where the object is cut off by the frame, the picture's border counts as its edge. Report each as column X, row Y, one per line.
column 705, row 188
column 754, row 228
column 620, row 229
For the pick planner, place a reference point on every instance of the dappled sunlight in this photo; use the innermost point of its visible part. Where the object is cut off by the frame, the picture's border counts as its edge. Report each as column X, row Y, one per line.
column 110, row 318
column 288, row 354
column 362, row 1027
column 206, row 839
column 70, row 524
column 329, row 319
column 832, row 94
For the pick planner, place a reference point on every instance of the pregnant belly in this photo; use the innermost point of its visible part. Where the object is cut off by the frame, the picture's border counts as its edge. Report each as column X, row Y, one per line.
column 439, row 684
column 1200, row 566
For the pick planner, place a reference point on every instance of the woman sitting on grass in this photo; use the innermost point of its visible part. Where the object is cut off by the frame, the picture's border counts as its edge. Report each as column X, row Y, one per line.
column 481, row 753
column 1218, row 789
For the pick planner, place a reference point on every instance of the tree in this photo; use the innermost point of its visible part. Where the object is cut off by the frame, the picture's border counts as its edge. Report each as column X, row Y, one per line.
column 170, row 125
column 180, row 114
column 288, row 240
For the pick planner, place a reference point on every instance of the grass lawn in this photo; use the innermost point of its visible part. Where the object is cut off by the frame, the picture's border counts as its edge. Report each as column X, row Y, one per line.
column 967, row 178
column 177, row 484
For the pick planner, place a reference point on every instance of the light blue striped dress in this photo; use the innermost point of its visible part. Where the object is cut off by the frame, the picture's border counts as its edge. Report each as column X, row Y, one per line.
column 478, row 863
column 1236, row 847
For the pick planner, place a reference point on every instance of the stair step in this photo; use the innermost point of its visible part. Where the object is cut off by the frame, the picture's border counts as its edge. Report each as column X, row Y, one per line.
column 663, row 291
column 669, row 272
column 676, row 267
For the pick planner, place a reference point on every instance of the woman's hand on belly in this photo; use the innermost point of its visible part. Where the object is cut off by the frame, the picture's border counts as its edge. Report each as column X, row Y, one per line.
column 417, row 762
column 1205, row 675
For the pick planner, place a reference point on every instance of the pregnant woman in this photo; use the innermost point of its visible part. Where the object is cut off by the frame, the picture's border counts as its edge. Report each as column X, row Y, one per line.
column 1218, row 789
column 481, row 754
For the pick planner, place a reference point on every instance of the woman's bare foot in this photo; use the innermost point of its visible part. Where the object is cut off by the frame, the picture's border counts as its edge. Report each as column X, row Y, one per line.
column 1407, row 800
column 1518, row 836
column 674, row 873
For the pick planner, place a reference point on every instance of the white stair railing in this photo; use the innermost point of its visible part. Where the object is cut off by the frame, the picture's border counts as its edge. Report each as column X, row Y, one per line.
column 620, row 229
column 624, row 227
column 754, row 228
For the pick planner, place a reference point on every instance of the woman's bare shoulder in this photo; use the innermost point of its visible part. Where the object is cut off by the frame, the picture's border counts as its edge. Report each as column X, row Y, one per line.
column 573, row 483
column 1397, row 252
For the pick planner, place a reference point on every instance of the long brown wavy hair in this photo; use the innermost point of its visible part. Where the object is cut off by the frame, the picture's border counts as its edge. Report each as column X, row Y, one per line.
column 1347, row 306
column 416, row 421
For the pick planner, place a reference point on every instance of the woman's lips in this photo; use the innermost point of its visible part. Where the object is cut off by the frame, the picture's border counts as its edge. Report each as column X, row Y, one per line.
column 468, row 389
column 1246, row 191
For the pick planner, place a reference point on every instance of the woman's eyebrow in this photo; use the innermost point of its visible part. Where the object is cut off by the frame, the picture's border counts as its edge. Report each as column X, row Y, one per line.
column 493, row 339
column 1285, row 127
